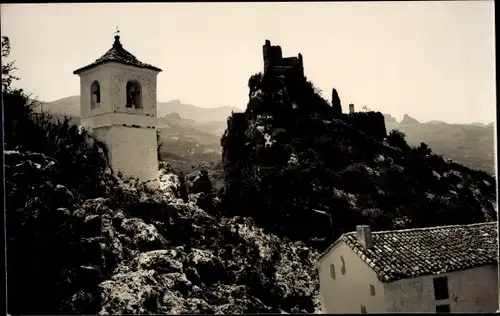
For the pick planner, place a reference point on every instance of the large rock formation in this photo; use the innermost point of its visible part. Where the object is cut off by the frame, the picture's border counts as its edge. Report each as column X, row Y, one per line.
column 137, row 251
column 301, row 170
column 408, row 120
column 370, row 123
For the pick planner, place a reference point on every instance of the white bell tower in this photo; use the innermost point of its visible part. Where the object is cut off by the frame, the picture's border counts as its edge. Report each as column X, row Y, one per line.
column 118, row 100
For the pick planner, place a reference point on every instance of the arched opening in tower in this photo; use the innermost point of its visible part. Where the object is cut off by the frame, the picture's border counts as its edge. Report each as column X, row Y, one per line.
column 134, row 95
column 95, row 94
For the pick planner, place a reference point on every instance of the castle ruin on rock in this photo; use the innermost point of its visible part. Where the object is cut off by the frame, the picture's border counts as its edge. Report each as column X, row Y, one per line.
column 274, row 61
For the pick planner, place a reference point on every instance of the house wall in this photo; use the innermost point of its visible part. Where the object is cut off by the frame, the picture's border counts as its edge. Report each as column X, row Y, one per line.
column 132, row 150
column 472, row 290
column 349, row 291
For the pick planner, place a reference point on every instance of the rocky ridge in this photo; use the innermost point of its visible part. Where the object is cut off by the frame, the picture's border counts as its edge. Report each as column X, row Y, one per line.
column 301, row 168
column 137, row 251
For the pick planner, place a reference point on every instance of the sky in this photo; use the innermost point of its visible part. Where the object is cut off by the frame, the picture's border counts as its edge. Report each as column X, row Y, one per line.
column 431, row 60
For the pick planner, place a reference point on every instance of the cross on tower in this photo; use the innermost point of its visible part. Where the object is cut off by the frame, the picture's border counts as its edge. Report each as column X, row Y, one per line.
column 117, row 32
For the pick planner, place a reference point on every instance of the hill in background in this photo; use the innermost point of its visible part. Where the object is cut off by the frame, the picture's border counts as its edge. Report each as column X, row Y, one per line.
column 469, row 144
column 196, row 113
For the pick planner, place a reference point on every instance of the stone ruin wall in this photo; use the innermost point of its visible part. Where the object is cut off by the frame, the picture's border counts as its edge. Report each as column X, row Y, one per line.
column 274, row 61
column 370, row 123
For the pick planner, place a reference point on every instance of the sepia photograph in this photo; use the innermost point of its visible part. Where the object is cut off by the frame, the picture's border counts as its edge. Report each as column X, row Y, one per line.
column 250, row 157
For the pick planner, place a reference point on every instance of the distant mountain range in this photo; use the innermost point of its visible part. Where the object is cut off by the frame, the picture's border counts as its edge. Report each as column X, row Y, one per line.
column 408, row 120
column 194, row 112
column 71, row 106
column 191, row 132
column 468, row 144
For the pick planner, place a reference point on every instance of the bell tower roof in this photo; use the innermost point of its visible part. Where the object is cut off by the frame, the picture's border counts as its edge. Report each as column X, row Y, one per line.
column 117, row 54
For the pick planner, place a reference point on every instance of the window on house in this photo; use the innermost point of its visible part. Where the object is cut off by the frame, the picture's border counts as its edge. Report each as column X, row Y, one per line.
column 133, row 95
column 441, row 288
column 443, row 308
column 332, row 271
column 363, row 309
column 372, row 290
column 342, row 268
column 95, row 95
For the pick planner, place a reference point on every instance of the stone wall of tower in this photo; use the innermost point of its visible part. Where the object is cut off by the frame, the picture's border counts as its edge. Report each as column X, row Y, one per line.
column 132, row 151
column 274, row 61
column 120, row 75
column 113, row 78
column 101, row 75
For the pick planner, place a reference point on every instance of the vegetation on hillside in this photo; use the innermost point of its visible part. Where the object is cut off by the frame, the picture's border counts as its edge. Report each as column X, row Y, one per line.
column 48, row 168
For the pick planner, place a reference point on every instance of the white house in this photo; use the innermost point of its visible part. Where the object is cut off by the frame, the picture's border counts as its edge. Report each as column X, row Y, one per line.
column 437, row 269
column 118, row 100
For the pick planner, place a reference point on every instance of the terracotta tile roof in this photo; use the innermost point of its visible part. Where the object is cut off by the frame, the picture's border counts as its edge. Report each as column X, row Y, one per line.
column 117, row 54
column 410, row 253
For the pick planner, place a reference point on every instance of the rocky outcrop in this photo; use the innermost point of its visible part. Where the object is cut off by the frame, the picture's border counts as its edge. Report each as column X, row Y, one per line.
column 408, row 120
column 142, row 251
column 389, row 119
column 302, row 172
column 390, row 122
column 370, row 123
column 199, row 182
